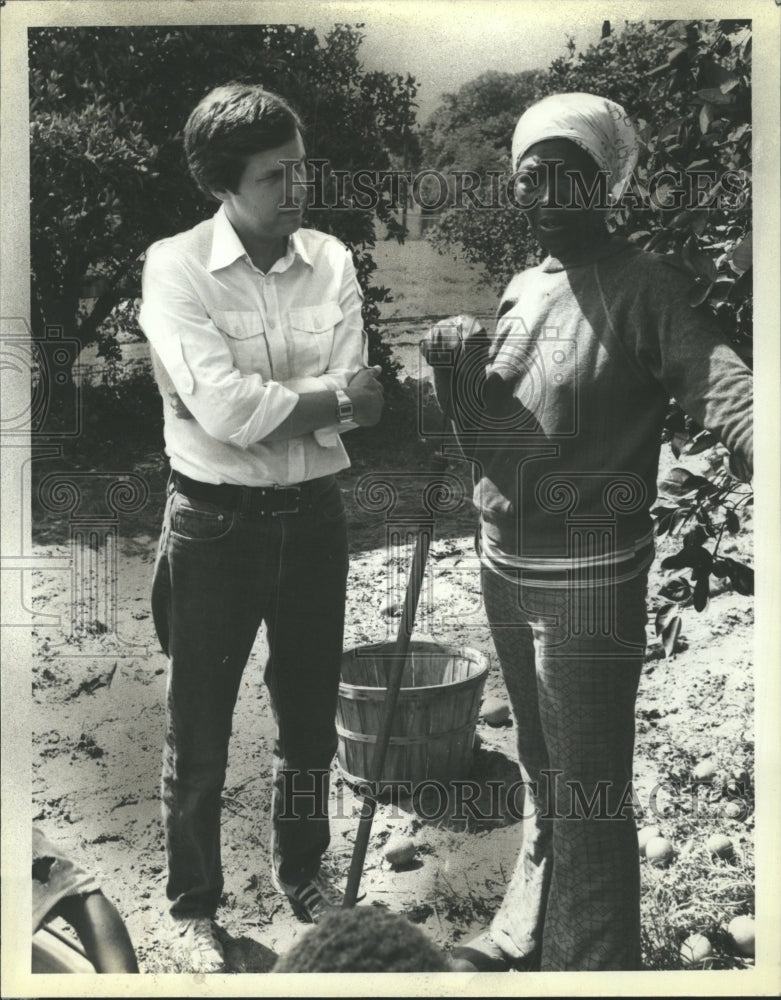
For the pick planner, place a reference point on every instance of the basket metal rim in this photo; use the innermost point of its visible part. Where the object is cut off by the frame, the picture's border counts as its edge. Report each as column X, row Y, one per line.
column 359, row 692
column 348, row 734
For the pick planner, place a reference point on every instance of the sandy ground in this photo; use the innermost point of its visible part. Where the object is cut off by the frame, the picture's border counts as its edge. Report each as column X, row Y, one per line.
column 99, row 682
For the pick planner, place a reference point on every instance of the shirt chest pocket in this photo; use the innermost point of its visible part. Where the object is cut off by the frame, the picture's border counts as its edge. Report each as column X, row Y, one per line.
column 312, row 336
column 245, row 335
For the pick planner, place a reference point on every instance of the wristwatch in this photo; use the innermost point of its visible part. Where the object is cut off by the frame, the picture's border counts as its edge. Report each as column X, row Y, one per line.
column 344, row 407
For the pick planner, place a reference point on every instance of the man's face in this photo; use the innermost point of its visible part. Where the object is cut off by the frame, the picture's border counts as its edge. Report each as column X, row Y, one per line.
column 554, row 178
column 254, row 208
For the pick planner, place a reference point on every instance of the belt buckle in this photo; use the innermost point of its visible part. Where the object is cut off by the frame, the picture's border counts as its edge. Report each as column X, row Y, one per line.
column 288, row 510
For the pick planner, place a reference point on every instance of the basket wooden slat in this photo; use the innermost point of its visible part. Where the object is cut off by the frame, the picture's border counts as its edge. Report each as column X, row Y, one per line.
column 433, row 731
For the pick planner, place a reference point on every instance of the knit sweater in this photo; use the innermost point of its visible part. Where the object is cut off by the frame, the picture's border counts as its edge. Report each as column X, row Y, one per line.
column 565, row 428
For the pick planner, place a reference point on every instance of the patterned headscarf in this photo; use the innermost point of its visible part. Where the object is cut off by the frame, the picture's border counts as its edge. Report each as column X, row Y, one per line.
column 598, row 125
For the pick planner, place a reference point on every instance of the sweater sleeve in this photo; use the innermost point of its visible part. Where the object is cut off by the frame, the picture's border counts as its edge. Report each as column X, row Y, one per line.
column 681, row 347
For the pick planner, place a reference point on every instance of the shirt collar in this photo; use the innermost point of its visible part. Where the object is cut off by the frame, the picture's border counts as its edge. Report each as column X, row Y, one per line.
column 295, row 245
column 227, row 247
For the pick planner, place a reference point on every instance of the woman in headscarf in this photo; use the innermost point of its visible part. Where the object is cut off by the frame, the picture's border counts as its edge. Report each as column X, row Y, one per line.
column 561, row 413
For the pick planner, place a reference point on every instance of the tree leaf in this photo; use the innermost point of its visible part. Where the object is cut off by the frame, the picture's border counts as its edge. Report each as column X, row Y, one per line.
column 671, row 128
column 708, row 489
column 663, row 616
column 715, row 95
column 700, row 221
column 741, row 258
column 732, row 521
column 680, row 482
column 677, row 482
column 695, row 537
column 677, row 55
column 700, row 442
column 720, row 568
column 705, row 521
column 678, row 589
column 703, row 265
column 664, row 518
column 698, row 295
column 701, row 590
column 741, row 577
column 679, row 519
column 695, row 556
column 670, row 635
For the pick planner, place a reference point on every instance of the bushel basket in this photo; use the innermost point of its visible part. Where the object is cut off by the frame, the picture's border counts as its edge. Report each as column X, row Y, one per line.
column 434, row 724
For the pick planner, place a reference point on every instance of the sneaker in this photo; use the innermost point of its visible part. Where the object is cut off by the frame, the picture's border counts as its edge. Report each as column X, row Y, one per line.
column 313, row 899
column 196, row 942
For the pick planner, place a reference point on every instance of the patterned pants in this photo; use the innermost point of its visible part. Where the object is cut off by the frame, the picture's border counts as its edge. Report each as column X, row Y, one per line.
column 571, row 659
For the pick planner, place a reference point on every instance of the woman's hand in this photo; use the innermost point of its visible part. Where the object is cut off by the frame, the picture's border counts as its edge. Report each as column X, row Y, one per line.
column 457, row 349
column 446, row 340
column 365, row 393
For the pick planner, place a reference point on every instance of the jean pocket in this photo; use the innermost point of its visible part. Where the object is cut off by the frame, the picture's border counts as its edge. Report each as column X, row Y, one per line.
column 330, row 506
column 199, row 521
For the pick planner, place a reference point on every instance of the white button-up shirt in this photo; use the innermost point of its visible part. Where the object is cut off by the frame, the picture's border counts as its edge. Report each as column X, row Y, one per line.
column 233, row 347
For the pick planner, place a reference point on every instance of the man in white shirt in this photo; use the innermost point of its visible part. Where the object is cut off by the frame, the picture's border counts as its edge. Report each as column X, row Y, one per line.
column 257, row 339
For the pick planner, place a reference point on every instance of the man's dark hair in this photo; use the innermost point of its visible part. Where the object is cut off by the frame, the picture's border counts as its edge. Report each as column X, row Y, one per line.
column 231, row 123
column 364, row 939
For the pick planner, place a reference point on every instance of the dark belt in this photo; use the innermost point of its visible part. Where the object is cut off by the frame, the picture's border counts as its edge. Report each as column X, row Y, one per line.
column 254, row 500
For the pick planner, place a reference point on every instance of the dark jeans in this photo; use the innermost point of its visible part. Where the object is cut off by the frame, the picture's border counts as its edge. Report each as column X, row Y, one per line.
column 219, row 574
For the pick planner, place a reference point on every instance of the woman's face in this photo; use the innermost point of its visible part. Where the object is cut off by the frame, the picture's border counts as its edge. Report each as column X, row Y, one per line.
column 560, row 188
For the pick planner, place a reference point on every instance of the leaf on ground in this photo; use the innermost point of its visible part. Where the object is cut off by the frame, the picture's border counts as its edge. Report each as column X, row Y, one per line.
column 670, row 635
column 663, row 617
column 91, row 685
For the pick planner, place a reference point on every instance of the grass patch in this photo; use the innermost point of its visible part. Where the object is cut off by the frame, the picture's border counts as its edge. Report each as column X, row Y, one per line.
column 425, row 283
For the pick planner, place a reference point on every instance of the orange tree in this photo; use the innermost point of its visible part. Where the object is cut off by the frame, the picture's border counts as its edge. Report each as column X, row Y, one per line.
column 108, row 175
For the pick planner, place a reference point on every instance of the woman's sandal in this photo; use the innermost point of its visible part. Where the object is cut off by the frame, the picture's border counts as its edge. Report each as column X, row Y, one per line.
column 483, row 954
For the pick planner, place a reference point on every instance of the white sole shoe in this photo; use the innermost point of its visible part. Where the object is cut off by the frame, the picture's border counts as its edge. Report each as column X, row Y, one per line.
column 196, row 943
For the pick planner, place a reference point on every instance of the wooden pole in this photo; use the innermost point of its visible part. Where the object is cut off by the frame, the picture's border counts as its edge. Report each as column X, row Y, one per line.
column 395, row 673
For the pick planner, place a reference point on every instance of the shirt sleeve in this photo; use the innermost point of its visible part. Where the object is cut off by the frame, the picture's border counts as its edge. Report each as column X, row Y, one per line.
column 349, row 352
column 234, row 408
column 698, row 366
column 350, row 349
